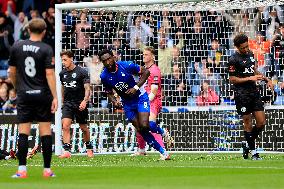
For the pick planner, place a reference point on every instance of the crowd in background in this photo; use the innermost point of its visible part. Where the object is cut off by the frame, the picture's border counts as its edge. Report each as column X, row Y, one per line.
column 14, row 17
column 192, row 47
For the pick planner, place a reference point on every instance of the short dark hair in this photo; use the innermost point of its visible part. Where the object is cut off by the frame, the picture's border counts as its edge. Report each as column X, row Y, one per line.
column 68, row 53
column 37, row 25
column 240, row 39
column 105, row 51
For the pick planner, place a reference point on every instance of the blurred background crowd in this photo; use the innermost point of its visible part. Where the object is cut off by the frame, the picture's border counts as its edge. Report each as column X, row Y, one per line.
column 192, row 47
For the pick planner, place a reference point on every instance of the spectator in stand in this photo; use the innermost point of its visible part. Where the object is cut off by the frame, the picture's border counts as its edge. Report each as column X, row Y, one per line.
column 95, row 68
column 24, row 34
column 217, row 64
column 177, row 27
column 278, row 50
column 197, row 43
column 19, row 22
column 217, row 58
column 165, row 21
column 138, row 31
column 49, row 37
column 6, row 40
column 34, row 14
column 207, row 96
column 176, row 88
column 97, row 32
column 165, row 53
column 273, row 19
column 111, row 25
column 219, row 27
column 11, row 102
column 178, row 59
column 206, row 73
column 261, row 49
column 82, row 37
column 3, row 96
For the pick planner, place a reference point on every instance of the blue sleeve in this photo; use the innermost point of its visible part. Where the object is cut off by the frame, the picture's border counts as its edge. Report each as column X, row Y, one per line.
column 131, row 67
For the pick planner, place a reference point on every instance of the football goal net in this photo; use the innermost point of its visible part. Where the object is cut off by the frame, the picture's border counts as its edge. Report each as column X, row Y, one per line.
column 193, row 42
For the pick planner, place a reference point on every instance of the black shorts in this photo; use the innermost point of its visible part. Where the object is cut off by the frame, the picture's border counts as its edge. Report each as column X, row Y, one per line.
column 34, row 108
column 71, row 110
column 247, row 103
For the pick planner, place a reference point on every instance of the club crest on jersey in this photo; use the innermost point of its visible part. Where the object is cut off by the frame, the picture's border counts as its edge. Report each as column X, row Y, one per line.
column 74, row 75
column 122, row 74
column 252, row 59
column 243, row 109
column 156, row 78
column 121, row 86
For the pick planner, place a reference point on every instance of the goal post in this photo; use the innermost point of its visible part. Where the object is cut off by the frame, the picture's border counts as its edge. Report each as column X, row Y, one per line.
column 58, row 44
column 196, row 128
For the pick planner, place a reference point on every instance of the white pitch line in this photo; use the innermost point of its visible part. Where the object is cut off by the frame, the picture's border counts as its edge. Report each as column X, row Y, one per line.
column 175, row 166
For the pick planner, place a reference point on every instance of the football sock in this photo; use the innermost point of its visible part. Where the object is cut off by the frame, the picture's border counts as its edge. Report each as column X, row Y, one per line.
column 154, row 128
column 250, row 140
column 23, row 146
column 46, row 142
column 22, row 168
column 255, row 132
column 149, row 138
column 89, row 145
column 67, row 147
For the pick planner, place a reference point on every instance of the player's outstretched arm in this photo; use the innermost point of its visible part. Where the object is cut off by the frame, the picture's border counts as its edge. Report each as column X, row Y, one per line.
column 50, row 76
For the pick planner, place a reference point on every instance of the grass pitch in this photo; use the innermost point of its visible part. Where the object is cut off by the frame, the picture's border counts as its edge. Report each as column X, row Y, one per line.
column 197, row 171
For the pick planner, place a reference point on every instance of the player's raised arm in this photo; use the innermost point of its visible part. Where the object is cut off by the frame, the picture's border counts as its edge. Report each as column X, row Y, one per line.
column 144, row 74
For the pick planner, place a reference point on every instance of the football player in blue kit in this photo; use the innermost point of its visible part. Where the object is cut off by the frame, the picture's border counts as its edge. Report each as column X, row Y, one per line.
column 127, row 79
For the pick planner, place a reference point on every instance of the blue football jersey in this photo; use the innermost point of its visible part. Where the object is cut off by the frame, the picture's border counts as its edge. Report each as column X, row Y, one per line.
column 124, row 78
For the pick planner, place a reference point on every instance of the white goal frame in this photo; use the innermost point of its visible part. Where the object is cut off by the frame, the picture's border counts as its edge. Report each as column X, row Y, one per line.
column 202, row 5
column 58, row 44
